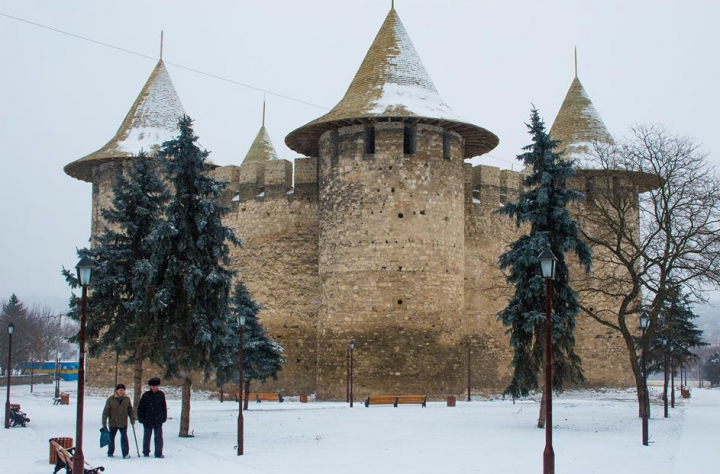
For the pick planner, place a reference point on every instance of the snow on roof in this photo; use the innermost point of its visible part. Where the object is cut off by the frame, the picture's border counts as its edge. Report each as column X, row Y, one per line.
column 261, row 149
column 152, row 120
column 402, row 82
column 578, row 125
column 392, row 82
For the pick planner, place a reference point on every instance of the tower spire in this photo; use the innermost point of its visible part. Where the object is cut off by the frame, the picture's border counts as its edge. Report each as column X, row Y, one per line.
column 263, row 122
column 575, row 61
column 392, row 4
column 161, row 44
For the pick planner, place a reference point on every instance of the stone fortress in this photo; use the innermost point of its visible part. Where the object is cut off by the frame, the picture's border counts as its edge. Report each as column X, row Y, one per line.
column 381, row 234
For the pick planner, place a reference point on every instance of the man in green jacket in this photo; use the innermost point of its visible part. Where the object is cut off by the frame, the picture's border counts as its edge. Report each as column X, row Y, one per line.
column 118, row 408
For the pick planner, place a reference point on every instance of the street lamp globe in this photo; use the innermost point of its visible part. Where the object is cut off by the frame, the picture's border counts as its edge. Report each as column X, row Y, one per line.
column 11, row 328
column 644, row 320
column 547, row 264
column 241, row 320
column 351, row 345
column 85, row 268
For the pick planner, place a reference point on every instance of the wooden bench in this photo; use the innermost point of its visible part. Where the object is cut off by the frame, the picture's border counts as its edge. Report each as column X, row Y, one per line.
column 64, row 460
column 262, row 397
column 412, row 400
column 396, row 400
column 380, row 400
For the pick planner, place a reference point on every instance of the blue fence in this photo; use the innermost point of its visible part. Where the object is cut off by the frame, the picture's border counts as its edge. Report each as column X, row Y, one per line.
column 68, row 370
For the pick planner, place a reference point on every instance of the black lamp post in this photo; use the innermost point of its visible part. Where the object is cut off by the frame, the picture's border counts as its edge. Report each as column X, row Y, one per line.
column 644, row 323
column 241, row 421
column 84, row 271
column 547, row 265
column 351, row 346
column 57, row 362
column 10, row 330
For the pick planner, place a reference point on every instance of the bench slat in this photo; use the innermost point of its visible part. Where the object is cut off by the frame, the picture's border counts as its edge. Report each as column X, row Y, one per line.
column 67, row 458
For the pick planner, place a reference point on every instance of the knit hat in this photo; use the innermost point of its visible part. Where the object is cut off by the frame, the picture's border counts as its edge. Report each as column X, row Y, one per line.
column 120, row 386
column 154, row 381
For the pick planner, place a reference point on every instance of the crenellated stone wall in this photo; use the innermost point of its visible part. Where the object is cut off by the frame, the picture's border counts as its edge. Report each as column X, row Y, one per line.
column 394, row 246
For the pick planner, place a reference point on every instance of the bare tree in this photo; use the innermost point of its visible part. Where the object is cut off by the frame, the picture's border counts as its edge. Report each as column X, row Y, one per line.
column 652, row 215
column 38, row 335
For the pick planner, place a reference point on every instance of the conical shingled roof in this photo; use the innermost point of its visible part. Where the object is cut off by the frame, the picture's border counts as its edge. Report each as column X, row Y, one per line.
column 261, row 149
column 151, row 121
column 578, row 124
column 391, row 82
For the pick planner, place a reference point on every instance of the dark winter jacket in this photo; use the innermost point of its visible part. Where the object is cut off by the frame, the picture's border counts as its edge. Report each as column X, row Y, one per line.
column 117, row 411
column 152, row 409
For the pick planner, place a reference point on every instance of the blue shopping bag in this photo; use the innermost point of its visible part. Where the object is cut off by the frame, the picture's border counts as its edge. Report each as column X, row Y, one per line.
column 104, row 437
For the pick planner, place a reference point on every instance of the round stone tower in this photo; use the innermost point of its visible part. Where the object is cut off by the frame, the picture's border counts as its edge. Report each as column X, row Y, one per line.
column 391, row 218
column 152, row 119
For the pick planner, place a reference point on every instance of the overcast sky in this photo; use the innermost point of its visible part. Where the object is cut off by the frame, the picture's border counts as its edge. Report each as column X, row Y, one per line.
column 62, row 97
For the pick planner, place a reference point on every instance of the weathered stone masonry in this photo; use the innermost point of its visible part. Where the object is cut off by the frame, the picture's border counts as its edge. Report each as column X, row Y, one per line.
column 382, row 235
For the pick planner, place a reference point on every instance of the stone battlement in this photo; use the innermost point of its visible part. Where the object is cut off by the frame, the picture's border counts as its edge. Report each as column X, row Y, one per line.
column 491, row 187
column 270, row 180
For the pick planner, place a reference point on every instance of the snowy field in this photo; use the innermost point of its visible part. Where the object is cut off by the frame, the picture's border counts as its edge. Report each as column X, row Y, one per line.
column 595, row 432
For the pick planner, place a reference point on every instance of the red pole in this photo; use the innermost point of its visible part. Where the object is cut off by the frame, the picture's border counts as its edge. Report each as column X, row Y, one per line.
column 351, row 377
column 79, row 457
column 241, row 421
column 8, row 370
column 672, row 381
column 645, row 401
column 549, row 453
column 468, row 364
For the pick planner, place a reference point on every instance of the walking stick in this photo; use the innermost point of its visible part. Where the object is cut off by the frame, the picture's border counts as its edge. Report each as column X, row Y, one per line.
column 135, row 436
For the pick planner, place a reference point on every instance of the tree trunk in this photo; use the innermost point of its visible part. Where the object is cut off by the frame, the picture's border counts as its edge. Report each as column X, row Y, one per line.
column 636, row 369
column 32, row 376
column 665, row 385
column 221, row 394
column 185, row 407
column 672, row 384
column 541, row 416
column 247, row 392
column 138, row 375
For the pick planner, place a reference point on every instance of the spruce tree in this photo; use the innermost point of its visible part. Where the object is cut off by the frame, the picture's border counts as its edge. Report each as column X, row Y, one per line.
column 14, row 311
column 119, row 300
column 262, row 356
column 542, row 209
column 191, row 325
column 674, row 335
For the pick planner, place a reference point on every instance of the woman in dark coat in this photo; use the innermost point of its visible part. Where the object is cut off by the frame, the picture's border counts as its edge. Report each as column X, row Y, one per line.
column 152, row 413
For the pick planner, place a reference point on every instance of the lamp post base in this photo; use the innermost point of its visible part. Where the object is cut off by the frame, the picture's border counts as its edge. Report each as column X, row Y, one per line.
column 549, row 460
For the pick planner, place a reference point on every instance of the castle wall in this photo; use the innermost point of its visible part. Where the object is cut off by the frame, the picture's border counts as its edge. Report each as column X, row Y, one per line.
column 278, row 261
column 486, row 292
column 330, row 259
column 391, row 260
column 602, row 350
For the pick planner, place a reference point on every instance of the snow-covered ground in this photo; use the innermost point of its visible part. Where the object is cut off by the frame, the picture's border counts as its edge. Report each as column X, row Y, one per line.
column 594, row 432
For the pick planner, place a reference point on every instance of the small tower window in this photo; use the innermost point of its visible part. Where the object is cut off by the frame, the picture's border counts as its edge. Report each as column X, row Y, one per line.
column 476, row 194
column 369, row 140
column 446, row 145
column 409, row 139
column 589, row 186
